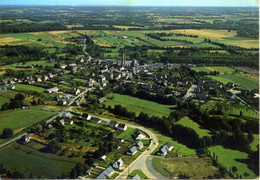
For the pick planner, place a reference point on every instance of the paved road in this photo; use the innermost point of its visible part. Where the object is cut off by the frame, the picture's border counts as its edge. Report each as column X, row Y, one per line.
column 144, row 161
column 12, row 140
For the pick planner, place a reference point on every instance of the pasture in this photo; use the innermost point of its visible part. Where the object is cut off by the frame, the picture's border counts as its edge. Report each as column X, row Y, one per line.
column 138, row 105
column 21, row 118
column 30, row 164
column 195, row 168
column 187, row 122
column 229, row 158
column 33, row 63
column 28, row 88
column 3, row 100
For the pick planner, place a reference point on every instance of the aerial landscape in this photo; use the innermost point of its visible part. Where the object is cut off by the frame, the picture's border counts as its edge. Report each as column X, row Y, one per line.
column 129, row 90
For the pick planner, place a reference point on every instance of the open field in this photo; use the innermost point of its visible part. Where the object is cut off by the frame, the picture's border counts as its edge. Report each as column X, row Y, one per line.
column 20, row 118
column 229, row 158
column 244, row 81
column 187, row 122
column 3, row 100
column 43, row 63
column 220, row 69
column 27, row 88
column 138, row 105
column 126, row 27
column 195, row 168
column 27, row 163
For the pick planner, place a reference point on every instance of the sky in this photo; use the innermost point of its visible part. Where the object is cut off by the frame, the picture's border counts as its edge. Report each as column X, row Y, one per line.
column 134, row 2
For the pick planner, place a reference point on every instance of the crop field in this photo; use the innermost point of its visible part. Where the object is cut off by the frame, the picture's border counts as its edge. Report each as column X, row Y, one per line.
column 28, row 88
column 138, row 105
column 229, row 158
column 43, row 39
column 196, row 168
column 187, row 122
column 21, row 118
column 126, row 27
column 27, row 163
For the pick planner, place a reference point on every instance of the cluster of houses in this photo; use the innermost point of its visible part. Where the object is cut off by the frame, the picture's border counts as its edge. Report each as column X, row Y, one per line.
column 135, row 148
column 117, row 125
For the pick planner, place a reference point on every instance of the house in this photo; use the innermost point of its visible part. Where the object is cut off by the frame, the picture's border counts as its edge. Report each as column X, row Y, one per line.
column 95, row 120
column 106, row 173
column 62, row 122
column 62, row 102
column 68, row 122
column 67, row 96
column 139, row 145
column 122, row 127
column 63, row 67
column 50, row 75
column 136, row 177
column 138, row 135
column 95, row 164
column 67, row 115
column 230, row 85
column 113, row 124
column 86, row 116
column 118, row 146
column 103, row 157
column 52, row 90
column 132, row 151
column 169, row 146
column 118, row 164
column 26, row 138
column 3, row 89
column 76, row 91
column 38, row 78
column 102, row 100
column 164, row 149
column 45, row 78
column 12, row 86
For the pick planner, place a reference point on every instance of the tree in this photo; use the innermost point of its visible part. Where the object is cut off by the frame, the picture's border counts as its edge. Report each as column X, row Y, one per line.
column 250, row 137
column 7, row 133
column 234, row 169
column 5, row 106
column 54, row 146
column 19, row 96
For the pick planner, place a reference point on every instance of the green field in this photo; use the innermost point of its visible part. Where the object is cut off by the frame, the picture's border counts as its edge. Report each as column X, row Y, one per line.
column 138, row 105
column 180, row 148
column 195, row 168
column 246, row 82
column 27, row 163
column 126, row 134
column 187, row 122
column 220, row 69
column 27, row 88
column 20, row 118
column 43, row 63
column 229, row 158
column 3, row 100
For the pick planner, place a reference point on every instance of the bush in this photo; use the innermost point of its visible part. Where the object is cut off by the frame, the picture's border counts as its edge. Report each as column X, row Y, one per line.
column 7, row 133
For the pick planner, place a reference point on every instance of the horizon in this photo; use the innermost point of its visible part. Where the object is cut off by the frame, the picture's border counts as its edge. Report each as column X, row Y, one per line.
column 133, row 3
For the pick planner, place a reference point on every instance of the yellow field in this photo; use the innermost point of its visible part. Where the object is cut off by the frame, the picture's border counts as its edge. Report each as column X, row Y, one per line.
column 250, row 43
column 8, row 40
column 207, row 33
column 126, row 27
column 253, row 76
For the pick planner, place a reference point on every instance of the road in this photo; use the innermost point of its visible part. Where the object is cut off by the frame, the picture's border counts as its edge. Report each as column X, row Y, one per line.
column 144, row 161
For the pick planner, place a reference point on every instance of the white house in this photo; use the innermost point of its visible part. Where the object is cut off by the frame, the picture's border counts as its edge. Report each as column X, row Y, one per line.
column 122, row 127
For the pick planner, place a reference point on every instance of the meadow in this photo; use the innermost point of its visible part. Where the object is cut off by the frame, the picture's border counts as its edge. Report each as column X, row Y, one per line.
column 30, row 164
column 3, row 100
column 33, row 63
column 21, row 118
column 229, row 158
column 195, row 168
column 28, row 88
column 187, row 122
column 138, row 105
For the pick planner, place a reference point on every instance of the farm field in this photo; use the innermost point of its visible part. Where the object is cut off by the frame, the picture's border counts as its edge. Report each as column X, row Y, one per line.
column 27, row 88
column 229, row 158
column 187, row 122
column 30, row 164
column 195, row 168
column 43, row 63
column 21, row 118
column 244, row 81
column 138, row 105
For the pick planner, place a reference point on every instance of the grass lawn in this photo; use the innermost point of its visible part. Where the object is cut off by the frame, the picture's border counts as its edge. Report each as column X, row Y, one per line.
column 187, row 122
column 26, row 163
column 138, row 105
column 129, row 159
column 137, row 171
column 21, row 118
column 27, row 88
column 229, row 158
column 180, row 148
column 196, row 168
column 114, row 175
column 126, row 134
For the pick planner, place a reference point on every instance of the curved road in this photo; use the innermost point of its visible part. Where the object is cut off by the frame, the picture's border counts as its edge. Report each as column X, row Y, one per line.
column 144, row 161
